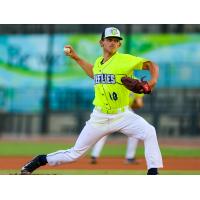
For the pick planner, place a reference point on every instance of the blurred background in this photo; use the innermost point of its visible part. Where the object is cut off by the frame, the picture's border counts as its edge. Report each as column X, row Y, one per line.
column 43, row 92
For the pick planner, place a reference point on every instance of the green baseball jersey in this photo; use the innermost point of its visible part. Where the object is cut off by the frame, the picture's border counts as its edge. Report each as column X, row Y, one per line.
column 110, row 94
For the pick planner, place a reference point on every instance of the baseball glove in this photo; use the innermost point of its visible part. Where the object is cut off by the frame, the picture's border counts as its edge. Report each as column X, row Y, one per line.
column 136, row 86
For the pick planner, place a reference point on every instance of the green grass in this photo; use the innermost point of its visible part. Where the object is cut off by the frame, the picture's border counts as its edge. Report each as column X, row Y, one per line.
column 102, row 172
column 28, row 148
column 33, row 148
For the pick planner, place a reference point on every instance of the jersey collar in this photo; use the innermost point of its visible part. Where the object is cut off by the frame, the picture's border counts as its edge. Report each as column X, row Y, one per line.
column 108, row 61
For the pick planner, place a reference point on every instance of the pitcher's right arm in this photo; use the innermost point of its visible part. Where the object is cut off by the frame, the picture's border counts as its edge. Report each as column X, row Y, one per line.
column 87, row 67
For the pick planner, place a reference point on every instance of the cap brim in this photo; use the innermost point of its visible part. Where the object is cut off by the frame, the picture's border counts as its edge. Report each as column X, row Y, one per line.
column 120, row 38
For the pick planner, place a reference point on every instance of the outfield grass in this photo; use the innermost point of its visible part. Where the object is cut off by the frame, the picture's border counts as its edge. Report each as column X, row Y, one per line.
column 33, row 148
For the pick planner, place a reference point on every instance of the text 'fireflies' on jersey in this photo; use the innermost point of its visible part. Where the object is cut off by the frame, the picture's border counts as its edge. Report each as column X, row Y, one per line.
column 104, row 79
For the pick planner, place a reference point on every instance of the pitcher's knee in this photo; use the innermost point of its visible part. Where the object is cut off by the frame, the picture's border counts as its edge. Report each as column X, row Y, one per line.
column 150, row 131
column 153, row 130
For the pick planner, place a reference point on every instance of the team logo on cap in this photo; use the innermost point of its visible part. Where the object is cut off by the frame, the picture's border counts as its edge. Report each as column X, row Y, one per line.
column 114, row 31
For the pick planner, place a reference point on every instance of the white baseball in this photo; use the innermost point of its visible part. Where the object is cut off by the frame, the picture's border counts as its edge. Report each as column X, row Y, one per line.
column 66, row 49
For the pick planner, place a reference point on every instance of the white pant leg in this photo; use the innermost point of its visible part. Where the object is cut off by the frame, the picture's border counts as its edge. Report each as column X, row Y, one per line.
column 152, row 150
column 96, row 150
column 135, row 126
column 131, row 147
column 91, row 133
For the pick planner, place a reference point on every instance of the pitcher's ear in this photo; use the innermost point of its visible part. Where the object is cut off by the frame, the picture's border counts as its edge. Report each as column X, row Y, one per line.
column 101, row 43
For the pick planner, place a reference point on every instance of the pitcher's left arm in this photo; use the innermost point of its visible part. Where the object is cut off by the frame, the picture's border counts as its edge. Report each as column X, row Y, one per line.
column 154, row 71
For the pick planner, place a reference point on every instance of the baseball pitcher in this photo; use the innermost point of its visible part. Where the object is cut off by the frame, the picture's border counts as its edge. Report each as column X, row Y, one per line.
column 112, row 84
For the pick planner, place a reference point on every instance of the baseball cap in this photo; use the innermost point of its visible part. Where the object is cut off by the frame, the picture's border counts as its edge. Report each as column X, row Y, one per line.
column 111, row 32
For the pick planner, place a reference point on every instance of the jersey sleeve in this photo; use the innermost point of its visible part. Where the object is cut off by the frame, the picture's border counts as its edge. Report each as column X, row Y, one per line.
column 137, row 62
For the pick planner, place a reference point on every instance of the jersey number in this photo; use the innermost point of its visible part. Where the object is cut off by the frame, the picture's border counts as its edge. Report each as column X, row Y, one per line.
column 113, row 96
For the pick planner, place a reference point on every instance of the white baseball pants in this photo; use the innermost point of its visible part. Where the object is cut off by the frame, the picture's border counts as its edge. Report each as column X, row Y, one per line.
column 100, row 125
column 130, row 148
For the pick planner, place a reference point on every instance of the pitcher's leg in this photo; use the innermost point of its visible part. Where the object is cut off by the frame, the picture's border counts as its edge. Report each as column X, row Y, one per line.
column 87, row 138
column 152, row 150
column 136, row 126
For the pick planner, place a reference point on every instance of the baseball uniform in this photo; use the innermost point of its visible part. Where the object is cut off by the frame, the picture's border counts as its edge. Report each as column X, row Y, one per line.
column 131, row 141
column 111, row 113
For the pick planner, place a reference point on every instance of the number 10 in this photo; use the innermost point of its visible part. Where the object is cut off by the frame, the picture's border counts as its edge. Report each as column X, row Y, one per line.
column 113, row 96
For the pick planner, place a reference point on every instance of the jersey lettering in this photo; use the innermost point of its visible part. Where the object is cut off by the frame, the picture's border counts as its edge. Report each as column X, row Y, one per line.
column 104, row 79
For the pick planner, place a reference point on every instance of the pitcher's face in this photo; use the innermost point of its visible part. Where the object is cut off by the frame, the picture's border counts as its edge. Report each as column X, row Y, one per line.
column 110, row 44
